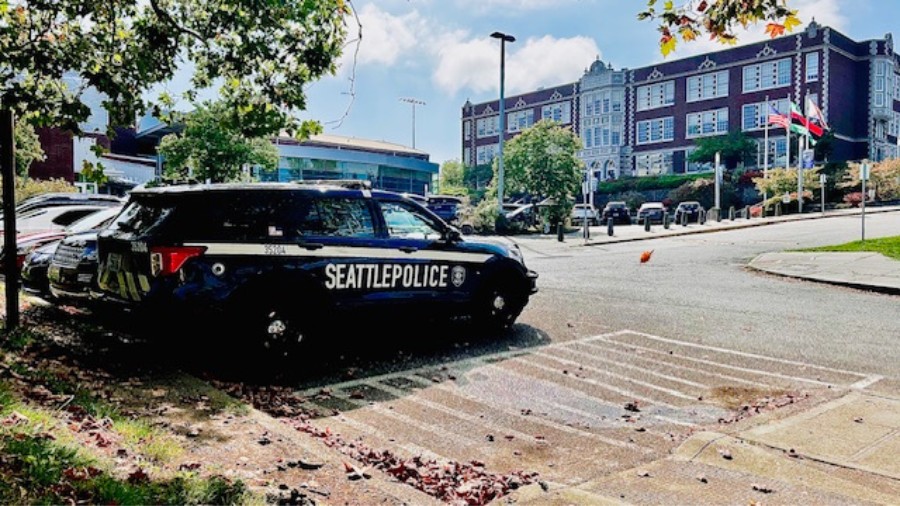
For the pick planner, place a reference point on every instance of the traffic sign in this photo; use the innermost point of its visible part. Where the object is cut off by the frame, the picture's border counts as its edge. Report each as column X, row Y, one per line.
column 808, row 158
column 864, row 170
column 786, row 198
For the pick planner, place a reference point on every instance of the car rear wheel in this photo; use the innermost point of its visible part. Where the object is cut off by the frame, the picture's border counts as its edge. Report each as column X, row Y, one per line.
column 276, row 329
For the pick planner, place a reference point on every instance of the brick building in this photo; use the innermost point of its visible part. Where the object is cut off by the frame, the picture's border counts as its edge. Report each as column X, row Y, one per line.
column 645, row 120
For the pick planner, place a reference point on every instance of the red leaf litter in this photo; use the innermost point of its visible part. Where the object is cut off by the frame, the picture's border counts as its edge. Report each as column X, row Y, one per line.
column 456, row 483
column 763, row 405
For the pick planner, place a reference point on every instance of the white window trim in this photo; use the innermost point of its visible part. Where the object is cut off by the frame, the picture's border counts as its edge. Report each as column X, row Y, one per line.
column 807, row 59
column 718, row 76
column 640, row 106
column 687, row 123
column 758, row 66
column 662, row 120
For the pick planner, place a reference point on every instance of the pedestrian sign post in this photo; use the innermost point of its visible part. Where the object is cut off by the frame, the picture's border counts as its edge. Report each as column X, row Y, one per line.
column 863, row 176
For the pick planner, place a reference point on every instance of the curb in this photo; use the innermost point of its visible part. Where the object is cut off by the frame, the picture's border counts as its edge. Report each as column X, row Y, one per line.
column 749, row 224
column 847, row 284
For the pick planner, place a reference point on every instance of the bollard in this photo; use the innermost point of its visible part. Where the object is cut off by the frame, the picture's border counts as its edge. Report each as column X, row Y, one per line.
column 666, row 221
column 747, row 212
column 702, row 218
column 777, row 209
column 684, row 219
column 718, row 213
column 559, row 232
column 731, row 213
column 609, row 226
column 764, row 212
column 646, row 224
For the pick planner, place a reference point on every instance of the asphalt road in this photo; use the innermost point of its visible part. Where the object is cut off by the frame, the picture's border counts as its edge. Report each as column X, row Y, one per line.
column 696, row 288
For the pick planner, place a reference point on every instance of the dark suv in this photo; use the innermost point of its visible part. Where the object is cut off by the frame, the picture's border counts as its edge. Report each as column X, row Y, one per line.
column 279, row 259
column 616, row 211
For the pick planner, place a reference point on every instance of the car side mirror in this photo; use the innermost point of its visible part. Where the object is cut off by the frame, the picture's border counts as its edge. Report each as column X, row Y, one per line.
column 452, row 234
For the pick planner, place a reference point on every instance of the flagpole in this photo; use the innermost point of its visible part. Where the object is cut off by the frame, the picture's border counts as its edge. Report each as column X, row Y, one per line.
column 766, row 150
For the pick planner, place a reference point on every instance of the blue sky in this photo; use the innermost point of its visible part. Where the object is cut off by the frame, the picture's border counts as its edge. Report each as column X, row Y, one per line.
column 440, row 52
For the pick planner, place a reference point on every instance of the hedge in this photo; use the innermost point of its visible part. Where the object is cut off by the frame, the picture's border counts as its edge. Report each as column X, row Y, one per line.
column 645, row 183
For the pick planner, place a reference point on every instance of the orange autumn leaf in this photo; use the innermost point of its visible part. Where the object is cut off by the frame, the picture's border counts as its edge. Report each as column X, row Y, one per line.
column 774, row 30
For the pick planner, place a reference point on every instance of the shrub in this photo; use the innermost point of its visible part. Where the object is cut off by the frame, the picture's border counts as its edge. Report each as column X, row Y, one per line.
column 484, row 218
column 645, row 183
column 28, row 187
column 853, row 199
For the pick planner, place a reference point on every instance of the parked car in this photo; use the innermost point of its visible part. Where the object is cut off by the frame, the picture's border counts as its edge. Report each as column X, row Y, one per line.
column 280, row 261
column 37, row 260
column 690, row 209
column 654, row 212
column 582, row 212
column 617, row 211
column 447, row 207
column 523, row 214
column 44, row 225
column 44, row 200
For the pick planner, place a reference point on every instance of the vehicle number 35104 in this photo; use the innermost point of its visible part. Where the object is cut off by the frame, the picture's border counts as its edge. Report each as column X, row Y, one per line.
column 274, row 249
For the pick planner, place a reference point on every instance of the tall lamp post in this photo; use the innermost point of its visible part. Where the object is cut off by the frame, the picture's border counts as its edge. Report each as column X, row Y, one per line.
column 414, row 102
column 504, row 38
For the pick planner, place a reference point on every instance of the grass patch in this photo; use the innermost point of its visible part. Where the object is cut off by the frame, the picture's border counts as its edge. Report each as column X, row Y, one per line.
column 887, row 246
column 18, row 339
column 139, row 436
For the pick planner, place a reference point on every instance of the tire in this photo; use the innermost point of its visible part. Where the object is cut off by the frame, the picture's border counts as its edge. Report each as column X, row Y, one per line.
column 467, row 229
column 497, row 307
column 275, row 329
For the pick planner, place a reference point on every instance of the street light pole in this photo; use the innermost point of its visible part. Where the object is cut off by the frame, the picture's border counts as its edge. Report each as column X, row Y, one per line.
column 414, row 102
column 504, row 38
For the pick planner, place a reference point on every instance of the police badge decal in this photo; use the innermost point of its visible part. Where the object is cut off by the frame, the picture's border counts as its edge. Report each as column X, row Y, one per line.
column 458, row 276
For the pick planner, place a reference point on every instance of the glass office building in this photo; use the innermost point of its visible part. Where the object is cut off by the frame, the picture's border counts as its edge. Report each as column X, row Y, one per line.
column 388, row 166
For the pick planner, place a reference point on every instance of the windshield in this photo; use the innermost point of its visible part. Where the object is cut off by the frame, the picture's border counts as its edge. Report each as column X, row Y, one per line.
column 93, row 220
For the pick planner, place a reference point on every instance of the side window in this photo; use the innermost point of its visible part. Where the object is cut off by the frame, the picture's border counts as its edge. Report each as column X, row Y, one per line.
column 406, row 222
column 338, row 217
column 70, row 217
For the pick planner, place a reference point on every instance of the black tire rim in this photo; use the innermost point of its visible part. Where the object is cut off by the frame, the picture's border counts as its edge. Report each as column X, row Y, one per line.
column 280, row 332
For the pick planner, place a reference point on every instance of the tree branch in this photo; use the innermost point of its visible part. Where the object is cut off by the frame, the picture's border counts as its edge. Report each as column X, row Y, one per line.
column 166, row 17
column 352, row 91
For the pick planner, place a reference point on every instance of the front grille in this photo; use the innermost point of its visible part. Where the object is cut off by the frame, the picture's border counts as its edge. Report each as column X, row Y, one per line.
column 67, row 256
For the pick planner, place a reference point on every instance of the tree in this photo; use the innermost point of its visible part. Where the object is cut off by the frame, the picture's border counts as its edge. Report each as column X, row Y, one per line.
column 452, row 180
column 263, row 55
column 884, row 178
column 543, row 162
column 210, row 147
column 717, row 18
column 735, row 148
column 28, row 148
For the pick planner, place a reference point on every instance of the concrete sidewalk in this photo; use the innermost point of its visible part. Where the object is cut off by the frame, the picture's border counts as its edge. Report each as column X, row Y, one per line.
column 871, row 271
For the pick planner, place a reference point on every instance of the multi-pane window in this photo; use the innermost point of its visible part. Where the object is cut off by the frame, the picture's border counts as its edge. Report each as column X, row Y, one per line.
column 467, row 130
column 656, row 130
column 655, row 95
column 484, row 154
column 812, row 67
column 764, row 76
column 704, row 123
column 654, row 163
column 487, row 127
column 560, row 112
column 467, row 156
column 618, row 101
column 707, row 86
column 896, row 87
column 756, row 115
column 616, row 136
column 777, row 151
column 519, row 120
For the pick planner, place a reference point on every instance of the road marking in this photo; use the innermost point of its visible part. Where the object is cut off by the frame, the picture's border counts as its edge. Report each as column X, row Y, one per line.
column 599, row 346
column 633, row 367
column 734, row 352
column 589, row 381
column 866, row 382
column 553, row 425
column 744, row 369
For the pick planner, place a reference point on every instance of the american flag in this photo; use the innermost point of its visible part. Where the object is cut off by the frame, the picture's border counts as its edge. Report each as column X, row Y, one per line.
column 776, row 118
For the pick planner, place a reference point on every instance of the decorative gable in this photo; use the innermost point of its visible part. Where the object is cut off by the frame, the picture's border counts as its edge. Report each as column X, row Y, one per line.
column 766, row 51
column 656, row 74
column 520, row 103
column 556, row 95
column 488, row 109
column 707, row 64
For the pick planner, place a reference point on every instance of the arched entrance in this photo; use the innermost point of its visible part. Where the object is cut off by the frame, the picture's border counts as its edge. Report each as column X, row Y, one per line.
column 609, row 170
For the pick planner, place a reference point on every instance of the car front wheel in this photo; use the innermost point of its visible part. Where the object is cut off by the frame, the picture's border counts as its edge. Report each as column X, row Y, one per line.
column 497, row 308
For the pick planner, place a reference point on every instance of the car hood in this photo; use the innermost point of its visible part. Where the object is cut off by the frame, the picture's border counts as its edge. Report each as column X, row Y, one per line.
column 81, row 239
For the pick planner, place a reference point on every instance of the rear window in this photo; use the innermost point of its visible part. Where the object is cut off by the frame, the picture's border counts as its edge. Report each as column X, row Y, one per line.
column 616, row 205
column 141, row 216
column 269, row 217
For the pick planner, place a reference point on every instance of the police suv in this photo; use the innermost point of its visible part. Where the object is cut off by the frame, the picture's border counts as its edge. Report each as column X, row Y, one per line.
column 279, row 259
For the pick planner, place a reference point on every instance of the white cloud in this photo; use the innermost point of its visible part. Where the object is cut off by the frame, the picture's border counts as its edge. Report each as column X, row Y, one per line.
column 474, row 63
column 385, row 37
column 825, row 12
column 483, row 6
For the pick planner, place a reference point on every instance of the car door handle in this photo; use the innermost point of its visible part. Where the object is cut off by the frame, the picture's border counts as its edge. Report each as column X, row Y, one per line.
column 408, row 249
column 312, row 245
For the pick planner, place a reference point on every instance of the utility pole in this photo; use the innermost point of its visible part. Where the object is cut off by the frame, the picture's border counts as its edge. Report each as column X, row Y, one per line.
column 864, row 175
column 8, row 171
column 504, row 38
column 414, row 102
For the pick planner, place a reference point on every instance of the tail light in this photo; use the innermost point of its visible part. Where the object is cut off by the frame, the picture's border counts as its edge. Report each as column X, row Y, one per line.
column 165, row 260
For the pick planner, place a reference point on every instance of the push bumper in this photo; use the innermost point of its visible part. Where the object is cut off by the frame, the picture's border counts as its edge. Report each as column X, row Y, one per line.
column 532, row 281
